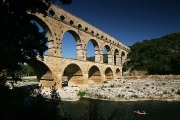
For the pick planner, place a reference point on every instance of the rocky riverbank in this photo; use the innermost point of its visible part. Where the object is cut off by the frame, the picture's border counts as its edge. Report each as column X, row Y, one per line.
column 135, row 90
column 121, row 89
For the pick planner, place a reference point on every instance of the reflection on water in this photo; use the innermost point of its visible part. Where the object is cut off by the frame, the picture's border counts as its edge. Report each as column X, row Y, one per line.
column 112, row 110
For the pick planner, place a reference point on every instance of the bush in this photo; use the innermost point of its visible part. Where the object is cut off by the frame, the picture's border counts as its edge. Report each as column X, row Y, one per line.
column 119, row 95
column 112, row 85
column 105, row 82
column 135, row 96
column 178, row 92
column 163, row 83
column 81, row 93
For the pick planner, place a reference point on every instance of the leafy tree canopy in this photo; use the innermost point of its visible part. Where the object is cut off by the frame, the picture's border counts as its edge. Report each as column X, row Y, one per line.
column 157, row 56
column 20, row 37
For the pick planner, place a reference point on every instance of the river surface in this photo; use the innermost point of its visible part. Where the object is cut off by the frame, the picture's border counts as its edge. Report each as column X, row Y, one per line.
column 111, row 110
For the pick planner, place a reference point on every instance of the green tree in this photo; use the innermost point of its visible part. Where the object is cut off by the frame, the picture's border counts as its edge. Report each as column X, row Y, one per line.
column 157, row 56
column 20, row 37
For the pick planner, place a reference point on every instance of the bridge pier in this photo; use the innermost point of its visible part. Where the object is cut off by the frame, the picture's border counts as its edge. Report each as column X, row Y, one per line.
column 85, row 79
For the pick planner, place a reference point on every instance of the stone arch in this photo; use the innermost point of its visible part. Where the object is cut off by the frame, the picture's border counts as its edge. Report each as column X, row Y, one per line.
column 118, row 72
column 122, row 57
column 71, row 22
column 62, row 18
column 79, row 50
column 109, row 74
column 94, row 75
column 86, row 29
column 47, row 28
column 72, row 75
column 43, row 72
column 79, row 26
column 109, row 55
column 116, row 57
column 96, row 49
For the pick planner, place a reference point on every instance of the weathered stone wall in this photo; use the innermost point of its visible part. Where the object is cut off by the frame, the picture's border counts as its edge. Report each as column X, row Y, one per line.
column 78, row 72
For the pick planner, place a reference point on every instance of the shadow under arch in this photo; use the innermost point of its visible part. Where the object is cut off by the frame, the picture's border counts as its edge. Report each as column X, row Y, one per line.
column 72, row 76
column 109, row 74
column 42, row 70
column 109, row 55
column 118, row 72
column 46, row 28
column 94, row 75
column 116, row 57
column 79, row 52
column 122, row 58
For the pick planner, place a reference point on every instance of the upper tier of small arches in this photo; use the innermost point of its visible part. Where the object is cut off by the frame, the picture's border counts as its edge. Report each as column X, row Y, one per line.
column 74, row 21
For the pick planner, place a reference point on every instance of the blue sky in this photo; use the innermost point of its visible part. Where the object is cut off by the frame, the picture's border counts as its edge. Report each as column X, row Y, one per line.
column 129, row 21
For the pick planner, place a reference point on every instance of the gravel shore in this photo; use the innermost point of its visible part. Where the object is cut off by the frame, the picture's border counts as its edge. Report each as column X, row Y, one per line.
column 118, row 90
column 135, row 90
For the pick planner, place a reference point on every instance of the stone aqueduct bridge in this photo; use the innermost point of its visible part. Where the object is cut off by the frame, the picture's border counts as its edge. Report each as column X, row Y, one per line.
column 79, row 72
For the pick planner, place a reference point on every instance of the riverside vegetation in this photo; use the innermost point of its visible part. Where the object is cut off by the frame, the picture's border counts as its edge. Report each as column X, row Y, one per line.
column 156, row 56
column 18, row 103
column 118, row 90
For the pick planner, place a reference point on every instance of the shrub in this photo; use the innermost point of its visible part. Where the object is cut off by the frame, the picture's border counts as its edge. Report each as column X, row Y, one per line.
column 81, row 93
column 163, row 83
column 119, row 95
column 135, row 96
column 127, row 87
column 105, row 82
column 112, row 85
column 178, row 92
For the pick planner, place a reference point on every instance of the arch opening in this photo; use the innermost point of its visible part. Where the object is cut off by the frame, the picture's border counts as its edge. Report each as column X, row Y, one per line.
column 71, row 46
column 122, row 58
column 92, row 49
column 109, row 74
column 79, row 26
column 72, row 76
column 107, row 55
column 116, row 57
column 44, row 29
column 118, row 72
column 71, row 22
column 94, row 75
column 86, row 29
column 62, row 18
column 44, row 74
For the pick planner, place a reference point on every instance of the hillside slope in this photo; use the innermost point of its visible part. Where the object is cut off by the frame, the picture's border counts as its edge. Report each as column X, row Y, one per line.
column 157, row 56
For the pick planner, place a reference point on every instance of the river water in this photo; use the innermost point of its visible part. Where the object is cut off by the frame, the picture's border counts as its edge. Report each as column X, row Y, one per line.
column 112, row 110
